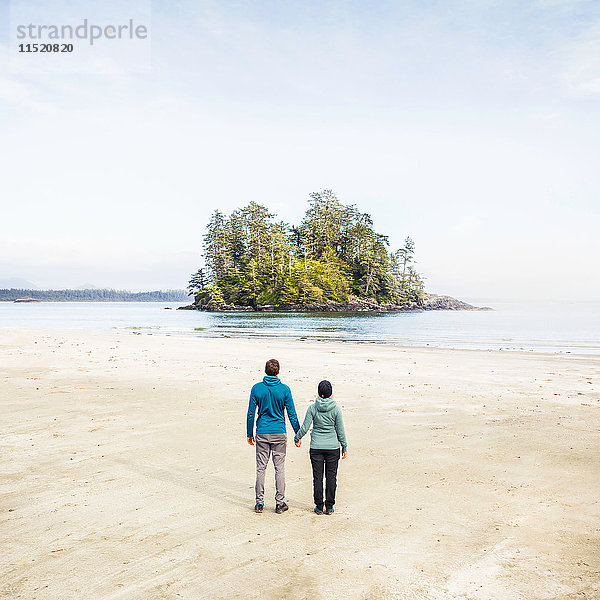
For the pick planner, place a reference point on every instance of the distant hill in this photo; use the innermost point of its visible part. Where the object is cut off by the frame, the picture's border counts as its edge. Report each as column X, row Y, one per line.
column 93, row 295
column 87, row 286
column 17, row 283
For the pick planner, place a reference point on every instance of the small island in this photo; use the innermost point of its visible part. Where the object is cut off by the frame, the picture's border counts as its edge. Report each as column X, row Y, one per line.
column 333, row 261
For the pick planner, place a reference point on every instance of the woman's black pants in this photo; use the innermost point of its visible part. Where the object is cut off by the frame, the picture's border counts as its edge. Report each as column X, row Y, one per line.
column 324, row 461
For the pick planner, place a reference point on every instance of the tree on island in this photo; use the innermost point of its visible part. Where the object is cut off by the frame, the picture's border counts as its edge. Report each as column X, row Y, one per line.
column 334, row 254
column 198, row 282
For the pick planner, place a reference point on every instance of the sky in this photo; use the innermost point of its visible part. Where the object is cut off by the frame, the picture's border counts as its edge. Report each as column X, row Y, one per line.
column 473, row 127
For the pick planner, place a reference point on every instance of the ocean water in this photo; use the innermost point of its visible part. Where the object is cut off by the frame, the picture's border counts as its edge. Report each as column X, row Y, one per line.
column 537, row 327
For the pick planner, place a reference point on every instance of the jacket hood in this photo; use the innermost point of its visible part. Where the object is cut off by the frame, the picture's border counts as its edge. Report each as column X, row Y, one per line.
column 324, row 404
column 271, row 380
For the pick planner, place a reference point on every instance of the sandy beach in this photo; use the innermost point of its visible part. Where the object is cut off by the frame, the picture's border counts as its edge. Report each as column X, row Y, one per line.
column 126, row 472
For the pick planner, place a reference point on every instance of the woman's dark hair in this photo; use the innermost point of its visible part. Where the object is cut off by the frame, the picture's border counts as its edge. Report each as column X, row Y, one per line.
column 325, row 390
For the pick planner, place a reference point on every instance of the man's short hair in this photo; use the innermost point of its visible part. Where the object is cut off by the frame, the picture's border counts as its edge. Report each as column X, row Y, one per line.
column 272, row 367
column 325, row 389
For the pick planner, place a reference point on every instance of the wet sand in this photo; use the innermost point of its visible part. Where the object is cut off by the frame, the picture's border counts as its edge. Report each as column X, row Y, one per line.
column 126, row 472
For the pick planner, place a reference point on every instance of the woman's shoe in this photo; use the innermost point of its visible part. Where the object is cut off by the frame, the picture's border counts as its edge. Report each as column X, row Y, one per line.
column 329, row 511
column 318, row 511
column 258, row 508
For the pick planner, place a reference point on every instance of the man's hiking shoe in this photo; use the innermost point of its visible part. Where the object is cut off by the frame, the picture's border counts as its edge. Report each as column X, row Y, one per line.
column 258, row 508
column 318, row 511
column 329, row 511
column 281, row 508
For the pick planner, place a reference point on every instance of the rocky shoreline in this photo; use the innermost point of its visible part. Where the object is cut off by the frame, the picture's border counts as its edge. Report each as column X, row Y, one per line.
column 431, row 302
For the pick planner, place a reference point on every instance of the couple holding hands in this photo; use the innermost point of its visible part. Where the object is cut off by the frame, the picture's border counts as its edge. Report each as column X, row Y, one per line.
column 271, row 399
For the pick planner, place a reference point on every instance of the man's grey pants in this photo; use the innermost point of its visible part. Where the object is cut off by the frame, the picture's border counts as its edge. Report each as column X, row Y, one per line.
column 268, row 444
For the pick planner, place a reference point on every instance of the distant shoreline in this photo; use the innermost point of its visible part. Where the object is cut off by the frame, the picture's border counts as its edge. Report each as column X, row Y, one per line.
column 92, row 295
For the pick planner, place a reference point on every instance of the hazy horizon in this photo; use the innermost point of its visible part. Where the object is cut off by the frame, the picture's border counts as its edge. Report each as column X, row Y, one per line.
column 471, row 127
column 477, row 300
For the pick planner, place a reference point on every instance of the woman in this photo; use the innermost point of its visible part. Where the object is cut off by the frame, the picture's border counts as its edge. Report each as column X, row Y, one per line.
column 325, row 440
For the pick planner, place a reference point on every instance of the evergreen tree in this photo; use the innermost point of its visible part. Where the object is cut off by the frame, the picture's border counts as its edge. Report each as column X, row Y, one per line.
column 198, row 282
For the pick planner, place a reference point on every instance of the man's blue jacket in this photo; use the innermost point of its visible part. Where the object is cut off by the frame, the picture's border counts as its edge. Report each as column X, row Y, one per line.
column 270, row 397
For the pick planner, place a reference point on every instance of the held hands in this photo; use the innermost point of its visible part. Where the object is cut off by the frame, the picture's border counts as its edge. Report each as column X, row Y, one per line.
column 250, row 440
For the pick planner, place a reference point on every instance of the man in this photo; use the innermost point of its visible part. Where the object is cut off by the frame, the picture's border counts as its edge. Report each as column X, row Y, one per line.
column 271, row 398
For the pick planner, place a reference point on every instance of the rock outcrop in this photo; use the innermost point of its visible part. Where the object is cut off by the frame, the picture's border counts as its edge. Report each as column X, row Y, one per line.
column 435, row 302
column 431, row 302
